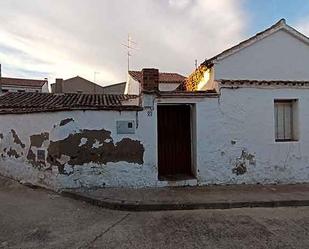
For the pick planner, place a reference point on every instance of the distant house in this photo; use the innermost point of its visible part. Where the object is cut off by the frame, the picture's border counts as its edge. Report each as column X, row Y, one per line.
column 167, row 82
column 23, row 85
column 76, row 85
column 118, row 88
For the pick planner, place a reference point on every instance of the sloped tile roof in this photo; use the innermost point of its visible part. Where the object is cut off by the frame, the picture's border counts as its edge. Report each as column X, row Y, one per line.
column 44, row 102
column 22, row 82
column 163, row 77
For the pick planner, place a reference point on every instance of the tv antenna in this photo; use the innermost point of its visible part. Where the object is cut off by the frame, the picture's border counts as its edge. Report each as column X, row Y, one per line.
column 95, row 76
column 131, row 45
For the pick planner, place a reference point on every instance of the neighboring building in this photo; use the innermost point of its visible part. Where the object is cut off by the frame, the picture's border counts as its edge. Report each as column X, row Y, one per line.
column 23, row 85
column 167, row 82
column 241, row 118
column 76, row 85
column 118, row 88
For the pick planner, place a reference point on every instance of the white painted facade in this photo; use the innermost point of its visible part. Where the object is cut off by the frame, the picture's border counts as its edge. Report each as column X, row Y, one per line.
column 240, row 121
column 11, row 88
column 279, row 56
column 89, row 175
column 132, row 86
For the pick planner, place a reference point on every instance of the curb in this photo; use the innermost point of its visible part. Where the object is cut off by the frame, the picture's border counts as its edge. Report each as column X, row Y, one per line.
column 137, row 207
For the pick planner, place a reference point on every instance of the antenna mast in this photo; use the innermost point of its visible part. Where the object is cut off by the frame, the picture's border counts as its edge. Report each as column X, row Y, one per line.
column 130, row 46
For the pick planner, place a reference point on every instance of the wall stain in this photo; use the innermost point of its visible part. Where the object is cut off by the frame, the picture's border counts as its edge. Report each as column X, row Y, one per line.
column 243, row 162
column 127, row 150
column 66, row 121
column 17, row 139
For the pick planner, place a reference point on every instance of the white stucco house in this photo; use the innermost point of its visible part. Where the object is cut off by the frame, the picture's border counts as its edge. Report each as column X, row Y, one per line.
column 241, row 117
column 23, row 85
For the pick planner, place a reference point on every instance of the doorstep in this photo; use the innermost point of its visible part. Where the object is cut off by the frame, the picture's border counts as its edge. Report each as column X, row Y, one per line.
column 189, row 198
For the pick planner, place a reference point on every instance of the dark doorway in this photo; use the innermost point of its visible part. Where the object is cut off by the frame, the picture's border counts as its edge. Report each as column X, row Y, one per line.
column 174, row 142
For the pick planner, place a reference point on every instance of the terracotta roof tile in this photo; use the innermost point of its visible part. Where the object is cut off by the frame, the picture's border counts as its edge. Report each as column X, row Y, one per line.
column 44, row 102
column 163, row 77
column 22, row 82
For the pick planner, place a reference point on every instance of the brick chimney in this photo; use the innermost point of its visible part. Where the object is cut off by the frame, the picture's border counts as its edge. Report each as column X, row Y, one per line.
column 58, row 86
column 150, row 79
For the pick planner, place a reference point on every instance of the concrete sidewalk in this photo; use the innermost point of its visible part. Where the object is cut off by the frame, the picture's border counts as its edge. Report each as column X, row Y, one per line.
column 188, row 198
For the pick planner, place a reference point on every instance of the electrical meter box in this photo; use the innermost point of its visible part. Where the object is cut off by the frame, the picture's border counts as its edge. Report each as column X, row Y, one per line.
column 125, row 127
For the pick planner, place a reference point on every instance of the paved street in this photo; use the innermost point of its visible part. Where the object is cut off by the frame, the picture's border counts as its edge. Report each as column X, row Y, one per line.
column 35, row 218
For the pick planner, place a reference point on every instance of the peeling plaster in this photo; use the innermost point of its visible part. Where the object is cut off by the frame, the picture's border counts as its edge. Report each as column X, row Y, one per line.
column 243, row 162
column 125, row 150
column 17, row 139
column 11, row 152
column 37, row 140
column 66, row 121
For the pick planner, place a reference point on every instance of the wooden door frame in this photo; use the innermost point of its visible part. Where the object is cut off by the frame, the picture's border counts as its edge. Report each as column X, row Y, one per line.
column 193, row 135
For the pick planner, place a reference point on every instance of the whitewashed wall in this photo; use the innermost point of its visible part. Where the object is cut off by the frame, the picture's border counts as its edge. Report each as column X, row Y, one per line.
column 240, row 123
column 132, row 86
column 168, row 86
column 88, row 175
column 279, row 56
column 236, row 128
column 26, row 89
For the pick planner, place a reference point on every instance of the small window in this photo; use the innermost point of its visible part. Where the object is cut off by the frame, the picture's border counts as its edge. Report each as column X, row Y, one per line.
column 285, row 120
column 21, row 91
column 5, row 90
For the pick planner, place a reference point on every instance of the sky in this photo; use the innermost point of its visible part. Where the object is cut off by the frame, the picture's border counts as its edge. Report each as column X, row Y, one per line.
column 64, row 38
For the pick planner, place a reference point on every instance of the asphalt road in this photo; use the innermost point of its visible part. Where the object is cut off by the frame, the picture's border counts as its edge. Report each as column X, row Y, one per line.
column 36, row 218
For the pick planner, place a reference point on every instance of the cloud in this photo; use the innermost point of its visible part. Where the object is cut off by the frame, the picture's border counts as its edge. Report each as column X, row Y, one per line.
column 303, row 26
column 75, row 37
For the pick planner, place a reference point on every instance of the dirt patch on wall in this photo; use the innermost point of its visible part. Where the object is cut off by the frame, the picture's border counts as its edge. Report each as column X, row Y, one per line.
column 94, row 146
